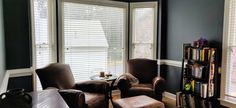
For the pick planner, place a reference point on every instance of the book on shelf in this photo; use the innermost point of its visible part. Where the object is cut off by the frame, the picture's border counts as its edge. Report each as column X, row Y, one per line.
column 203, row 92
column 193, row 85
column 178, row 102
column 197, row 87
column 192, row 103
column 186, row 50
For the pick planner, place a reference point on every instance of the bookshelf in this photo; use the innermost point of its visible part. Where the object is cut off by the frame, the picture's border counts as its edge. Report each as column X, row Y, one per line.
column 198, row 77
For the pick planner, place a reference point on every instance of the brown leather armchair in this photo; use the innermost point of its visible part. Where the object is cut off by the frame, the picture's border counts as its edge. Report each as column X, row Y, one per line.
column 150, row 84
column 91, row 94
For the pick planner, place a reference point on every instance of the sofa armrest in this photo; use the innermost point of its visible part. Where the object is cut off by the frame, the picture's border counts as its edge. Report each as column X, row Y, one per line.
column 73, row 98
column 93, row 86
column 159, row 85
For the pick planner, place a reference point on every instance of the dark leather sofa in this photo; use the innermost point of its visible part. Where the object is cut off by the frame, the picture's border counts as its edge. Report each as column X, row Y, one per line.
column 89, row 94
column 150, row 84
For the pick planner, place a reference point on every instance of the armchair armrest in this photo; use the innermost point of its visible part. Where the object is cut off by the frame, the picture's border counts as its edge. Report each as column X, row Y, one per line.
column 93, row 86
column 73, row 98
column 123, row 84
column 158, row 85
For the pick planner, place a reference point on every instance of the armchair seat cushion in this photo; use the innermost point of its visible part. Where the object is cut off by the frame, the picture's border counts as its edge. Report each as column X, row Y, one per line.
column 144, row 89
column 150, row 86
column 95, row 100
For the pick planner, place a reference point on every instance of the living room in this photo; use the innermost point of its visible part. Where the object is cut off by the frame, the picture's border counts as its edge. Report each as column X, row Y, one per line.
column 35, row 33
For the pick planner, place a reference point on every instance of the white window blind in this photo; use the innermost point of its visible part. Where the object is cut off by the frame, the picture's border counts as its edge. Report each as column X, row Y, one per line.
column 143, row 32
column 42, row 35
column 93, row 39
column 230, row 89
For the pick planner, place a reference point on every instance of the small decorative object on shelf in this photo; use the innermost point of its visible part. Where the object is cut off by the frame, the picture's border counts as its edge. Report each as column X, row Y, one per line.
column 199, row 75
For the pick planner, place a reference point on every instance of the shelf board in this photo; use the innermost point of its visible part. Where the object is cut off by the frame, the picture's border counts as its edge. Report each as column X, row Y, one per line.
column 198, row 61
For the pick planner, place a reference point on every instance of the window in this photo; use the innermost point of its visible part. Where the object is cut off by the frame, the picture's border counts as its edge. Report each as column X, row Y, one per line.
column 94, row 37
column 228, row 81
column 43, row 40
column 143, row 24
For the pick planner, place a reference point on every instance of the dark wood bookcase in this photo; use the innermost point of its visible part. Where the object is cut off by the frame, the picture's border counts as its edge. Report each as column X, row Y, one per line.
column 199, row 80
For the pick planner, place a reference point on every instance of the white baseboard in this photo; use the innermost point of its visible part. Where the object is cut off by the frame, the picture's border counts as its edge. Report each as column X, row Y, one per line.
column 20, row 72
column 169, row 95
column 3, row 87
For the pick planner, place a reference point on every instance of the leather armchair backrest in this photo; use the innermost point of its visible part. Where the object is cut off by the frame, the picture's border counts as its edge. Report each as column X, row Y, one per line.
column 56, row 75
column 143, row 69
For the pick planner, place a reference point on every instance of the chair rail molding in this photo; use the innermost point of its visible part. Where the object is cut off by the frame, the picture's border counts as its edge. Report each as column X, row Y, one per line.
column 14, row 73
column 169, row 62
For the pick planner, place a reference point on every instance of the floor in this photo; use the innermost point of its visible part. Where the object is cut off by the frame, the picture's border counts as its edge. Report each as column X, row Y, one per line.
column 169, row 103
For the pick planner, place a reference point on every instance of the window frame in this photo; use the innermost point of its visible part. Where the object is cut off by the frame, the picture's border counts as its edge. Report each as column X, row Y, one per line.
column 52, row 35
column 143, row 5
column 118, row 4
column 225, row 70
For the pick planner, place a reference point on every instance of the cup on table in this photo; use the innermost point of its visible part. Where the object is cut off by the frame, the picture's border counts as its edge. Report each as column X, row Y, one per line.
column 102, row 74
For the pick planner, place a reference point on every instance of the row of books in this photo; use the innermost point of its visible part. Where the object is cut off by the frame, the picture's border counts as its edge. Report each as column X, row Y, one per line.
column 189, row 101
column 195, row 70
column 197, row 87
column 199, row 54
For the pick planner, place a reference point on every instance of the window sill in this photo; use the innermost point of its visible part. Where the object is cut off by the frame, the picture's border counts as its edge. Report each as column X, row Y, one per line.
column 228, row 102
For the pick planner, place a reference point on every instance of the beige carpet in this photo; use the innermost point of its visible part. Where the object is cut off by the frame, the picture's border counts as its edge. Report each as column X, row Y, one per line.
column 169, row 103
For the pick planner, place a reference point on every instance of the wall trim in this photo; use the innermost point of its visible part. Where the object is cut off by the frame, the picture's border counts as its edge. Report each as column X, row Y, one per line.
column 14, row 73
column 169, row 95
column 3, row 87
column 227, row 103
column 169, row 62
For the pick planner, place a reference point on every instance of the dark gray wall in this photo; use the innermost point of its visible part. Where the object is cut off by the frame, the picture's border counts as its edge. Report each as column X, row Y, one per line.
column 17, row 40
column 172, row 75
column 17, row 33
column 2, row 61
column 188, row 20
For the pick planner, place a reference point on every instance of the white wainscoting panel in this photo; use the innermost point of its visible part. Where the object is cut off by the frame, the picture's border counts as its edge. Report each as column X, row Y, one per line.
column 14, row 73
column 169, row 62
